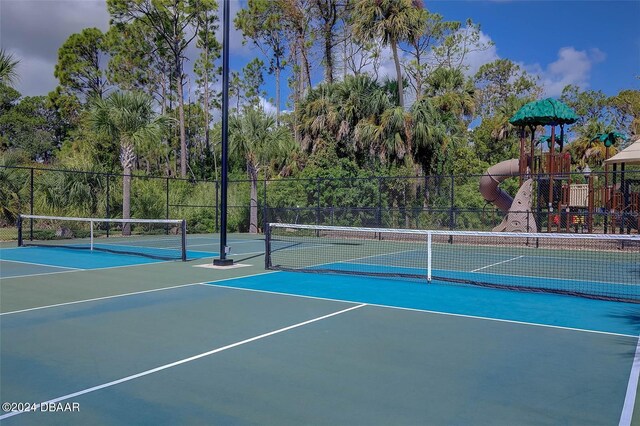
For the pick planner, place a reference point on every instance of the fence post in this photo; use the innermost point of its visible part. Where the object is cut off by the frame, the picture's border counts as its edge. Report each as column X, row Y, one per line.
column 167, row 190
column 379, row 202
column 108, row 213
column 217, row 212
column 452, row 225
column 318, row 203
column 31, row 206
column 265, row 209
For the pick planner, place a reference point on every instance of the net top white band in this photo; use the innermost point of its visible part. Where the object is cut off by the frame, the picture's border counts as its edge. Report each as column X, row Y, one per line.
column 460, row 233
column 97, row 219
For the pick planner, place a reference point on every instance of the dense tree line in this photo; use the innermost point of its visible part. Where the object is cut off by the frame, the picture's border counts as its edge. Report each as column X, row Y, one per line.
column 130, row 100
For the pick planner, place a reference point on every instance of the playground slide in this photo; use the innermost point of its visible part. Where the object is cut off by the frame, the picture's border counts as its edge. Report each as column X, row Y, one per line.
column 492, row 178
column 518, row 215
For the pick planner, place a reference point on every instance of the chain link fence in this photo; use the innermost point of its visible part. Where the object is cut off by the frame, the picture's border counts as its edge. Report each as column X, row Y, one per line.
column 595, row 203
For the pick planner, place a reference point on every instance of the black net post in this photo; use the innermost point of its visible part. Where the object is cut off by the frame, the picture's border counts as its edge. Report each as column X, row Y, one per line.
column 183, row 229
column 19, row 223
column 267, row 246
column 31, row 205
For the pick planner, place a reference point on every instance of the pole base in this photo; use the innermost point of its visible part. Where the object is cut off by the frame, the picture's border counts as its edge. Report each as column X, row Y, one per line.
column 223, row 262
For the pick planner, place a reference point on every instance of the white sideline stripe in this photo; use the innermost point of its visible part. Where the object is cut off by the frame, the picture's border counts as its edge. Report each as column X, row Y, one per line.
column 93, row 269
column 497, row 263
column 532, row 324
column 41, row 264
column 186, row 360
column 42, row 273
column 127, row 294
column 632, row 386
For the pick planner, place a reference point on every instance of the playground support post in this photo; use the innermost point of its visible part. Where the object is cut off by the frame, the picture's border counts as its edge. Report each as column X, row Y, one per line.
column 551, row 167
column 590, row 203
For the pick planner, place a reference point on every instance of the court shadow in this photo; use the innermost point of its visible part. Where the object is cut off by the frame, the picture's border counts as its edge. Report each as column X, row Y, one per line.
column 632, row 317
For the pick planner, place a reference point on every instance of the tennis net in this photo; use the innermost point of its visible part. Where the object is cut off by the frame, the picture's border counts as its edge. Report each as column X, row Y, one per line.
column 603, row 266
column 157, row 239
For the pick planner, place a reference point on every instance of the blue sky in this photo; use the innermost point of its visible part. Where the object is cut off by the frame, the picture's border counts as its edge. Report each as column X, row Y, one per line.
column 534, row 32
column 594, row 44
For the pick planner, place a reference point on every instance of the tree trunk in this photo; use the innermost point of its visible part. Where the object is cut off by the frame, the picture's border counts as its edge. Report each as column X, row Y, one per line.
column 305, row 69
column 328, row 57
column 127, row 157
column 277, row 71
column 206, row 109
column 183, row 134
column 253, row 202
column 394, row 48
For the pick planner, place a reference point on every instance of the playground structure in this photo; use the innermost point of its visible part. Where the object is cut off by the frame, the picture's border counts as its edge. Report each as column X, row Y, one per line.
column 553, row 197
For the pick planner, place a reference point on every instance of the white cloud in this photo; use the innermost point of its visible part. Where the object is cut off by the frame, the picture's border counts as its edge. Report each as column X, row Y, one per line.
column 34, row 30
column 267, row 106
column 477, row 58
column 572, row 67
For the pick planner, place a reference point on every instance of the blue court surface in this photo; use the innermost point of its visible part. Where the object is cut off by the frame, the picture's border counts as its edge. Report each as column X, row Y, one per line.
column 170, row 343
column 33, row 260
column 546, row 309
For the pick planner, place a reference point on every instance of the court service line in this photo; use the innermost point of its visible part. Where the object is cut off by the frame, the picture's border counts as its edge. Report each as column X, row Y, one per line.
column 40, row 264
column 632, row 386
column 186, row 360
column 533, row 324
column 125, row 294
column 497, row 263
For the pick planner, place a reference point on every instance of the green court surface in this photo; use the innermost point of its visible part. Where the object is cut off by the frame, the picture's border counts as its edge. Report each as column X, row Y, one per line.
column 175, row 343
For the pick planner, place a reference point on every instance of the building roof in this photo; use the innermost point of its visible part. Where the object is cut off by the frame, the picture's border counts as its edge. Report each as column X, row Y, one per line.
column 629, row 155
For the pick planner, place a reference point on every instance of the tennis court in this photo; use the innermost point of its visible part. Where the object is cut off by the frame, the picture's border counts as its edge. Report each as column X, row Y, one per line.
column 142, row 340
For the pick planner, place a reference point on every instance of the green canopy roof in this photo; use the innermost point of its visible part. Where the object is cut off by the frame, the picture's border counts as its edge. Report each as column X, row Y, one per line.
column 545, row 112
column 609, row 139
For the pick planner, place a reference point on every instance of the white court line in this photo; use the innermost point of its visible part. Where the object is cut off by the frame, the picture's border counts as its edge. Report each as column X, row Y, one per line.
column 533, row 324
column 632, row 386
column 43, row 273
column 497, row 263
column 116, row 267
column 512, row 276
column 126, row 294
column 94, row 269
column 40, row 264
column 186, row 360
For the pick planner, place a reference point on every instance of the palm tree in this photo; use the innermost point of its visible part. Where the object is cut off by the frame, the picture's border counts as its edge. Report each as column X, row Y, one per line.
column 12, row 182
column 8, row 64
column 129, row 118
column 255, row 138
column 451, row 91
column 391, row 22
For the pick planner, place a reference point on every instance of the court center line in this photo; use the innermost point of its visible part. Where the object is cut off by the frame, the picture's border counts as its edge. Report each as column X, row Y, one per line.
column 632, row 386
column 125, row 294
column 497, row 263
column 449, row 314
column 186, row 360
